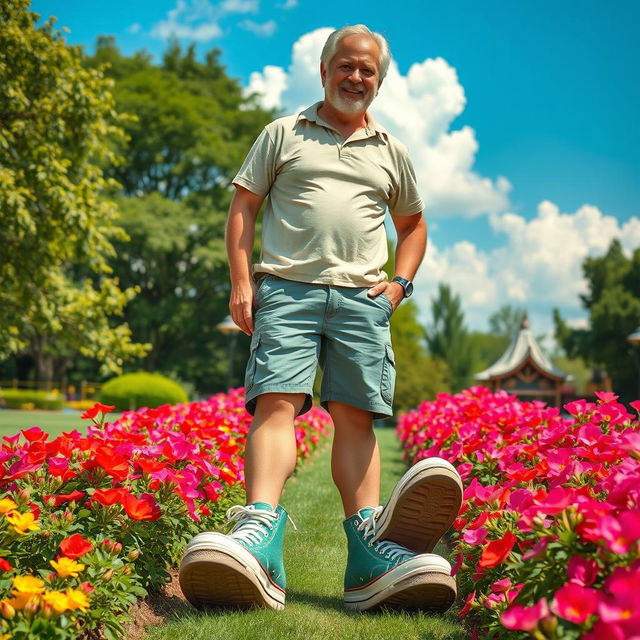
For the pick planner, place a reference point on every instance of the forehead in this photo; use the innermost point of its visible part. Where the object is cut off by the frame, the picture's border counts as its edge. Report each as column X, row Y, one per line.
column 360, row 46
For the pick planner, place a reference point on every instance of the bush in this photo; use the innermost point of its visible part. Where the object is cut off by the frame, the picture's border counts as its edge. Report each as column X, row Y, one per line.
column 24, row 399
column 135, row 390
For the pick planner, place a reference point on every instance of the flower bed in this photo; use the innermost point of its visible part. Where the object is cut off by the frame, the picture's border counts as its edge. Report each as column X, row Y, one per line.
column 547, row 542
column 90, row 522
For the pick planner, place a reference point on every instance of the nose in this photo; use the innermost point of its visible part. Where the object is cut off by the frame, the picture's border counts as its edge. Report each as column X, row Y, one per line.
column 355, row 76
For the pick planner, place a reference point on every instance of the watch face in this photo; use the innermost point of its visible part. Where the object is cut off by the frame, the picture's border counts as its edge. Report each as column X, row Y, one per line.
column 408, row 290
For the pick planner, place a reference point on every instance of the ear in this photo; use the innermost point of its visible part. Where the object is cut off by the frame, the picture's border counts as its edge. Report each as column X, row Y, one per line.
column 323, row 73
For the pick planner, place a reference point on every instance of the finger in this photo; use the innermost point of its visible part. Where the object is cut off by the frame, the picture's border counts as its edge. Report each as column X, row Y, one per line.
column 237, row 317
column 248, row 317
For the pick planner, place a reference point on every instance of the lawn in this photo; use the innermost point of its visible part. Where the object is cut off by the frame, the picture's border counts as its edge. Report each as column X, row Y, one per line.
column 53, row 422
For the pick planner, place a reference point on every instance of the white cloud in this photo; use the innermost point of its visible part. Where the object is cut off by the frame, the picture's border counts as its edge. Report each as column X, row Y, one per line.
column 134, row 28
column 418, row 108
column 199, row 19
column 289, row 4
column 262, row 29
column 537, row 266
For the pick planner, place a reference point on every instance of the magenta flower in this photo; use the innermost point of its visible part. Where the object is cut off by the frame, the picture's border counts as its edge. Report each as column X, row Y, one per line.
column 575, row 603
column 582, row 571
column 521, row 618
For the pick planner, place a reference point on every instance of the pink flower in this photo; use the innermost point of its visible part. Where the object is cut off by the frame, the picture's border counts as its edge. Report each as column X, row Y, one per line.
column 575, row 603
column 475, row 537
column 606, row 396
column 501, row 586
column 582, row 571
column 521, row 618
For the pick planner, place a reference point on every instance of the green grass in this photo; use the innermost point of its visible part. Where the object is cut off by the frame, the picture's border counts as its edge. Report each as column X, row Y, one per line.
column 53, row 422
column 315, row 557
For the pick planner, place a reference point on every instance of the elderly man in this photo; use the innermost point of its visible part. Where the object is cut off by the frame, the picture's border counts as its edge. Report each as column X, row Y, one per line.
column 319, row 296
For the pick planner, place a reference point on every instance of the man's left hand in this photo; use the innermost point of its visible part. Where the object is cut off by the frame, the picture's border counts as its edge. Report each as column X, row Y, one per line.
column 393, row 290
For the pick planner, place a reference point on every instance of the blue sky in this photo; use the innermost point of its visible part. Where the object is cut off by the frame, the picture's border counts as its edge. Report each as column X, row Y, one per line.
column 527, row 150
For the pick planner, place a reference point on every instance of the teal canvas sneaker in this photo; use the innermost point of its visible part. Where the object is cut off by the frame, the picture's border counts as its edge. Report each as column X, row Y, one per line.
column 242, row 569
column 422, row 506
column 386, row 574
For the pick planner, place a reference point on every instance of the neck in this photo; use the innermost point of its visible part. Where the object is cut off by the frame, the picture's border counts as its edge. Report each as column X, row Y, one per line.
column 342, row 121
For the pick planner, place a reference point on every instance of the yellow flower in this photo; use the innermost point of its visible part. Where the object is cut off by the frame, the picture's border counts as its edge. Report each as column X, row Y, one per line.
column 58, row 600
column 27, row 584
column 6, row 505
column 77, row 599
column 22, row 522
column 67, row 567
column 21, row 600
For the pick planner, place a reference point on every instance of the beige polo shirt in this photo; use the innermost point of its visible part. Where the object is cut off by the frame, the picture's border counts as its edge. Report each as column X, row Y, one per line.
column 327, row 198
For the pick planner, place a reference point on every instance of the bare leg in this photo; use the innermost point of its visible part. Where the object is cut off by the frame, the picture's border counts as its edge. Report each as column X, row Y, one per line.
column 355, row 459
column 270, row 456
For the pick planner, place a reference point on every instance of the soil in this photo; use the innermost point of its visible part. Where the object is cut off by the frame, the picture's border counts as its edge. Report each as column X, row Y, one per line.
column 156, row 608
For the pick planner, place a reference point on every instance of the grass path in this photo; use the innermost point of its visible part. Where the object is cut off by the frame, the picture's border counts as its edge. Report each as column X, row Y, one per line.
column 315, row 557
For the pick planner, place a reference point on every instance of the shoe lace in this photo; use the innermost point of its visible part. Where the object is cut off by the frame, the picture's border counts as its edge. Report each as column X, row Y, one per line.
column 252, row 525
column 387, row 548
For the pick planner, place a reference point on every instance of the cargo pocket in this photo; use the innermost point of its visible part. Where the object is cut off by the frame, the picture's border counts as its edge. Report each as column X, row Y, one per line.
column 250, row 373
column 388, row 375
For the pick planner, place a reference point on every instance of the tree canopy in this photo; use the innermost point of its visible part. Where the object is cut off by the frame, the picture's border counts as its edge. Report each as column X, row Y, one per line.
column 58, row 129
column 613, row 303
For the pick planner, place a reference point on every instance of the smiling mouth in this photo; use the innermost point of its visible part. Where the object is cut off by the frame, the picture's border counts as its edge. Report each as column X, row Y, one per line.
column 352, row 92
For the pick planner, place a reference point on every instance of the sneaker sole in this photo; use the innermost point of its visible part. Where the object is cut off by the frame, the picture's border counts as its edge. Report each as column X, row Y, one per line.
column 226, row 577
column 422, row 506
column 422, row 588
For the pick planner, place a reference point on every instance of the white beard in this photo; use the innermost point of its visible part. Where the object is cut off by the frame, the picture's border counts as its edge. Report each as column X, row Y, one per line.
column 346, row 105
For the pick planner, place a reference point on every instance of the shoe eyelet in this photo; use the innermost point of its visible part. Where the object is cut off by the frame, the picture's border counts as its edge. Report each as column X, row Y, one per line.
column 356, row 522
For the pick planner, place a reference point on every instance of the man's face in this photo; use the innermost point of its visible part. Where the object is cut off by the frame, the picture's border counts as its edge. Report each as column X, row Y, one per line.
column 352, row 78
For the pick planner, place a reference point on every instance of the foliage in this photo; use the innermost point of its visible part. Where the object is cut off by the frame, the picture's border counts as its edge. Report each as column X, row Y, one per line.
column 192, row 130
column 486, row 348
column 90, row 523
column 613, row 303
column 548, row 538
column 58, row 123
column 506, row 321
column 418, row 376
column 23, row 399
column 448, row 339
column 134, row 390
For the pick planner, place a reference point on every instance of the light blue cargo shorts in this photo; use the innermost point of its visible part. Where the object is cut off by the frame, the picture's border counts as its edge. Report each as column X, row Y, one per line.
column 299, row 326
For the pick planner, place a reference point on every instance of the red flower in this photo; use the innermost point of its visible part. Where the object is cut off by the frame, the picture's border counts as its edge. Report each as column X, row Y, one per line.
column 108, row 496
column 65, row 497
column 35, row 434
column 116, row 465
column 4, row 565
column 497, row 551
column 143, row 508
column 96, row 409
column 75, row 546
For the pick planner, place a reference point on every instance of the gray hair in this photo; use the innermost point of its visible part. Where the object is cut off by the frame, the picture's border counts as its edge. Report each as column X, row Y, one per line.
column 330, row 46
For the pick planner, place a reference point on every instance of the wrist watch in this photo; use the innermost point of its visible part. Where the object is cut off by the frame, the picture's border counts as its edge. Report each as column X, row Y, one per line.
column 407, row 285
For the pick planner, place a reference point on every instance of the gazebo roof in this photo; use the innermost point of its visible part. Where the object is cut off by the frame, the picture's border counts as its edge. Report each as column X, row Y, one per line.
column 523, row 346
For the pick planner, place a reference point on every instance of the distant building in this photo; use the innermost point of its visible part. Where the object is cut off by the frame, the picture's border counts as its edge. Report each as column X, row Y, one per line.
column 525, row 371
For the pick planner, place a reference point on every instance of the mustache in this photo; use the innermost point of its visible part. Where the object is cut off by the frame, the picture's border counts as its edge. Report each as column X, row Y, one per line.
column 352, row 87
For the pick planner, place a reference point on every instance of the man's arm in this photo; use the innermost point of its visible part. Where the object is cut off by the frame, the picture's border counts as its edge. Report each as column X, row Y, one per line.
column 239, row 237
column 410, row 248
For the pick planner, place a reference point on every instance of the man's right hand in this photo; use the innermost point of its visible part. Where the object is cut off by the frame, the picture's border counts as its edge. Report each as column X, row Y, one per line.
column 241, row 305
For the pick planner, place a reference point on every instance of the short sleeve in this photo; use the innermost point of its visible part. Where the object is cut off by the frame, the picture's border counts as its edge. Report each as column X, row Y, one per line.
column 258, row 170
column 405, row 199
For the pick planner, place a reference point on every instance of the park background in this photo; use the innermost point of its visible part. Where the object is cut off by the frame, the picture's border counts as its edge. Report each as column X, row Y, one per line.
column 519, row 120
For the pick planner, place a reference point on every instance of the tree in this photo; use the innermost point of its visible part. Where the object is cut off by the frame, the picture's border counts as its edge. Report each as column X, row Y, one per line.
column 58, row 130
column 613, row 303
column 418, row 376
column 506, row 322
column 192, row 130
column 448, row 339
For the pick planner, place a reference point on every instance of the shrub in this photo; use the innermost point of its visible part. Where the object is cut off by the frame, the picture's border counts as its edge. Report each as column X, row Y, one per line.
column 135, row 390
column 25, row 399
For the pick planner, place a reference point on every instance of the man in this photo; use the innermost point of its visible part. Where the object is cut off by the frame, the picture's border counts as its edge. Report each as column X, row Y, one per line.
column 330, row 172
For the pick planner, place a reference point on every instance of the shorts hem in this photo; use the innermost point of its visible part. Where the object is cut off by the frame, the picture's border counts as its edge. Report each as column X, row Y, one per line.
column 379, row 410
column 258, row 390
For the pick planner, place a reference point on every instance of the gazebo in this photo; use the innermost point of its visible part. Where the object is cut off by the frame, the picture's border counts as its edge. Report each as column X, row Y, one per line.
column 525, row 371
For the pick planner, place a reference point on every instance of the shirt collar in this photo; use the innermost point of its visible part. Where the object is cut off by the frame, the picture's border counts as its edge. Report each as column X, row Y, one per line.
column 373, row 127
